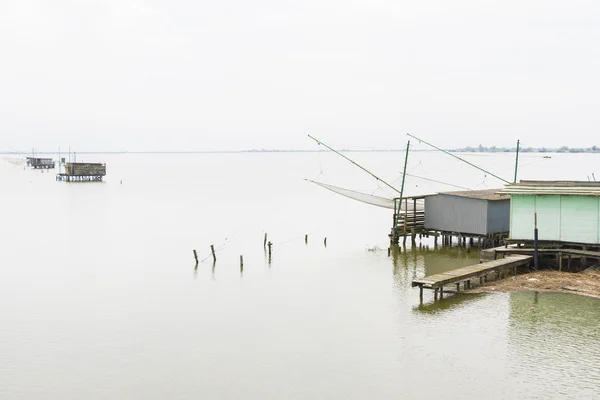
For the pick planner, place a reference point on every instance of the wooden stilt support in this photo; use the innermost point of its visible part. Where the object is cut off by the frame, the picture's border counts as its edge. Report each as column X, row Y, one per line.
column 435, row 294
column 212, row 249
column 560, row 259
column 458, row 287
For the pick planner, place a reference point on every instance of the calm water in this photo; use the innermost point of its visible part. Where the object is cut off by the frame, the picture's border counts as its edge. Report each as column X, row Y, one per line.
column 99, row 297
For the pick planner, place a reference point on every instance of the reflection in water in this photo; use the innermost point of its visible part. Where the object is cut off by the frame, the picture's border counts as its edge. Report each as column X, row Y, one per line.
column 543, row 325
column 449, row 301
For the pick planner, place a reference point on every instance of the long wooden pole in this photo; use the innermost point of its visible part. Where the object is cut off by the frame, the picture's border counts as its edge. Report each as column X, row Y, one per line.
column 458, row 158
column 517, row 162
column 359, row 166
column 404, row 172
column 399, row 209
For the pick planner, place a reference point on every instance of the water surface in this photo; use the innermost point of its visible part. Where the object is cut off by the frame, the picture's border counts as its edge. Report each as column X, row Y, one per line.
column 99, row 297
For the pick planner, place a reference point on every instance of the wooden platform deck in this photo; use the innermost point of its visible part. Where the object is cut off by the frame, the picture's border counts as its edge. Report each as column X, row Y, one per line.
column 573, row 252
column 466, row 274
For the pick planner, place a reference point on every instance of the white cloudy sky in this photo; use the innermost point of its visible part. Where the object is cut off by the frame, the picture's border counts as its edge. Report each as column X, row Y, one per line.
column 233, row 74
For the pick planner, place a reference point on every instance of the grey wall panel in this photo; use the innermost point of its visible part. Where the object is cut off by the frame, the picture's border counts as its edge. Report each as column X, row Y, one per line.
column 456, row 214
column 498, row 219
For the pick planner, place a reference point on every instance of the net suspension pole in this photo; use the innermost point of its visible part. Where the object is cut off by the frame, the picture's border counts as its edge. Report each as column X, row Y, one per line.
column 517, row 162
column 403, row 179
column 458, row 158
column 359, row 166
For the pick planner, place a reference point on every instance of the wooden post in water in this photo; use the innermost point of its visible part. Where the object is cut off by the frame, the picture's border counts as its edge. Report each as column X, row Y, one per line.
column 325, row 242
column 196, row 257
column 241, row 262
column 265, row 241
column 389, row 251
column 212, row 249
column 269, row 245
column 535, row 243
column 306, row 239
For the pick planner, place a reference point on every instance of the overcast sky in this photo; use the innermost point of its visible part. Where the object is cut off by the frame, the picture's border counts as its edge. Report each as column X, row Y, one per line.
column 234, row 74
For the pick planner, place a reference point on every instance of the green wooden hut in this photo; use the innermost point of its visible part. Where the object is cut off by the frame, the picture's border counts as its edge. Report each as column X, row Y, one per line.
column 567, row 211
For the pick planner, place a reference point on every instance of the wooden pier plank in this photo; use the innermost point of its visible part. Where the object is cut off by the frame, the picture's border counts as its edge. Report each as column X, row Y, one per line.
column 576, row 252
column 469, row 272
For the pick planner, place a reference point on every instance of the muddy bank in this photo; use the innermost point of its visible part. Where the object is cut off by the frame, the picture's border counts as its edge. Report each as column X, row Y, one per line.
column 586, row 283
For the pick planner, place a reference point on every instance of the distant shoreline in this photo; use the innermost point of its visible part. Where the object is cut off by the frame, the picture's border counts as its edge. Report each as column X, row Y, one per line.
column 464, row 150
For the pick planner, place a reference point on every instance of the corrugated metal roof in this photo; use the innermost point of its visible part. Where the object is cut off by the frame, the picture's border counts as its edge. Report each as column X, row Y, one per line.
column 487, row 194
column 558, row 183
column 564, row 188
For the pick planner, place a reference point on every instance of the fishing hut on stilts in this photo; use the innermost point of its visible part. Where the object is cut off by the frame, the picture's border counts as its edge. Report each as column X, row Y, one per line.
column 473, row 217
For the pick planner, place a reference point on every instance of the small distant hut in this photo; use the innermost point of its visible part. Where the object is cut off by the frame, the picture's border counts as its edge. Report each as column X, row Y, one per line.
column 82, row 172
column 38, row 162
column 567, row 212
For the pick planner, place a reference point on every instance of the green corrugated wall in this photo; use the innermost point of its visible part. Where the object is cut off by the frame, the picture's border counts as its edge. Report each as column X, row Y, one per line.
column 522, row 209
column 579, row 219
column 549, row 221
column 560, row 218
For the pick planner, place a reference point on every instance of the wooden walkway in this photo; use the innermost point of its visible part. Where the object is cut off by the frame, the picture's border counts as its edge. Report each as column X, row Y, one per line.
column 574, row 252
column 465, row 274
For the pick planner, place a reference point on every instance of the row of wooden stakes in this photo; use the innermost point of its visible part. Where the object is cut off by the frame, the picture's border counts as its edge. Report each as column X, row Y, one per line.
column 266, row 245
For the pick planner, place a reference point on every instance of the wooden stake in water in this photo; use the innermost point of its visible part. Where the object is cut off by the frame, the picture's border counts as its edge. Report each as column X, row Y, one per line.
column 241, row 263
column 269, row 245
column 325, row 242
column 306, row 239
column 196, row 257
column 212, row 249
column 265, row 241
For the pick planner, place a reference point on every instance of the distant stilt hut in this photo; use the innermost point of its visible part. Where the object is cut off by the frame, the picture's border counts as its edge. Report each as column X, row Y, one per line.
column 82, row 172
column 40, row 163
